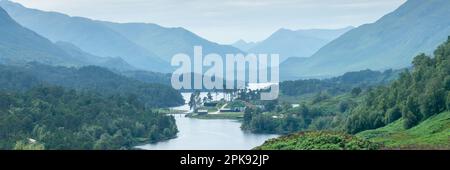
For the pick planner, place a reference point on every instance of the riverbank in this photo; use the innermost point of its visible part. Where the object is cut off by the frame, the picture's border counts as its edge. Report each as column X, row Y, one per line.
column 213, row 131
column 202, row 134
column 169, row 111
column 222, row 115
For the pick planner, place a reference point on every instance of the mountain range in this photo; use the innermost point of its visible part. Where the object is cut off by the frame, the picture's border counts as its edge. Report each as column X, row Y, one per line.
column 143, row 46
column 115, row 63
column 244, row 45
column 58, row 39
column 86, row 34
column 391, row 42
column 290, row 43
column 166, row 42
column 19, row 45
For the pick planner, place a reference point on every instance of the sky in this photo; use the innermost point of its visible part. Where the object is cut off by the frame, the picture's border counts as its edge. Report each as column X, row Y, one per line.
column 226, row 21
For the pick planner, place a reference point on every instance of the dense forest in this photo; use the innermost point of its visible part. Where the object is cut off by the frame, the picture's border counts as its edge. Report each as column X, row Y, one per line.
column 55, row 118
column 50, row 107
column 416, row 95
column 324, row 112
column 91, row 79
column 322, row 103
column 148, row 76
column 338, row 85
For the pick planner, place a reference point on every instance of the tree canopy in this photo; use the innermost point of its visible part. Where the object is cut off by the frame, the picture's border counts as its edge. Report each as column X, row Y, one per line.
column 66, row 119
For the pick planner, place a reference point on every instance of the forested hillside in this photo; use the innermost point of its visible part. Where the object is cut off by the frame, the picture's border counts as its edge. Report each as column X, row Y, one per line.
column 148, row 77
column 93, row 108
column 55, row 118
column 91, row 79
column 408, row 113
column 415, row 96
column 433, row 133
column 322, row 103
column 341, row 84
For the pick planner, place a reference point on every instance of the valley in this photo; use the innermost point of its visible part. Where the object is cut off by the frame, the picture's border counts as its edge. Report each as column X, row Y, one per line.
column 76, row 83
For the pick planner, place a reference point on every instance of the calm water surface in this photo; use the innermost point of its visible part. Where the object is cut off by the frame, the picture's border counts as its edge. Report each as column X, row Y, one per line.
column 198, row 134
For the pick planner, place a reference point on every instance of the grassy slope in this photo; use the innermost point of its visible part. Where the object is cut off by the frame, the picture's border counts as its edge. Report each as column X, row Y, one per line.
column 434, row 133
column 318, row 141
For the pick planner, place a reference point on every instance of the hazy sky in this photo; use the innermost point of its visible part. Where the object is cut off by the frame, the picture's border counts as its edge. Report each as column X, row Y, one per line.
column 226, row 21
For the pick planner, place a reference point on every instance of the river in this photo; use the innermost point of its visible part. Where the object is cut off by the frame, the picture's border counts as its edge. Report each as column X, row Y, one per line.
column 199, row 134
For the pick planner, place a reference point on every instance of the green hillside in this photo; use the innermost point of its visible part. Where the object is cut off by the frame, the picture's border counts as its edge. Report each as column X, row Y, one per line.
column 61, row 119
column 411, row 112
column 318, row 141
column 90, row 78
column 432, row 133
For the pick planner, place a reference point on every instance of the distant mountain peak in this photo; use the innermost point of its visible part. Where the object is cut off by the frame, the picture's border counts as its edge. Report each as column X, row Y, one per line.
column 241, row 41
column 296, row 43
column 415, row 27
column 244, row 45
column 284, row 30
column 281, row 31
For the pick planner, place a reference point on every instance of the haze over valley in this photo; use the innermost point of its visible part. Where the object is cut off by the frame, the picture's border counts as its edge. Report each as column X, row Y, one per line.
column 354, row 75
